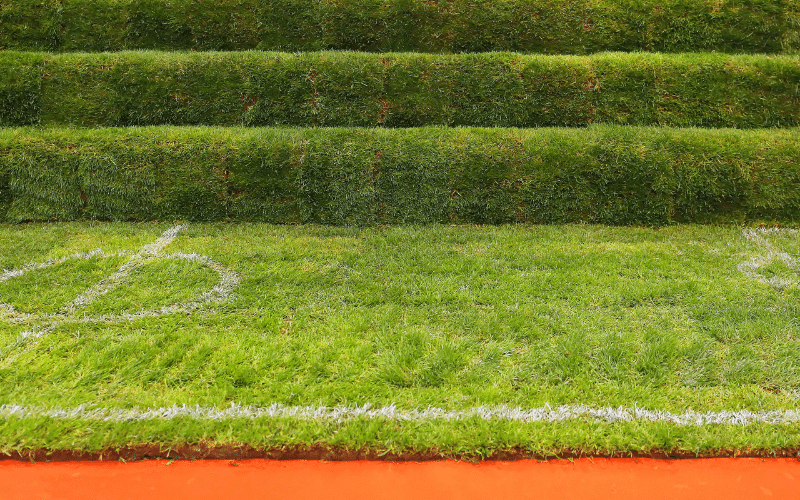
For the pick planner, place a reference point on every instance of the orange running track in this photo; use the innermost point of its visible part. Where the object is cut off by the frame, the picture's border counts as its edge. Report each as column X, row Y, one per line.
column 299, row 480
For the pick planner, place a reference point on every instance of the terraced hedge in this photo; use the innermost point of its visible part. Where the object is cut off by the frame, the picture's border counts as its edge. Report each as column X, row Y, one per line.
column 398, row 90
column 605, row 174
column 439, row 26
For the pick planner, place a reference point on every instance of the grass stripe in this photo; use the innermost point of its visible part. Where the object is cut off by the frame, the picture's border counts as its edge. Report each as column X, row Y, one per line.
column 548, row 26
column 368, row 412
column 398, row 90
column 606, row 174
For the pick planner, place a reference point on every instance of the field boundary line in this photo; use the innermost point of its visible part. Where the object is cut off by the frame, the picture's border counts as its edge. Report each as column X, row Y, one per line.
column 546, row 413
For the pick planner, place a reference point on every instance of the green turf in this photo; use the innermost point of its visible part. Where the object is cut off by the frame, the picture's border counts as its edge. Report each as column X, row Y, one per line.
column 446, row 316
column 369, row 176
column 398, row 90
column 547, row 26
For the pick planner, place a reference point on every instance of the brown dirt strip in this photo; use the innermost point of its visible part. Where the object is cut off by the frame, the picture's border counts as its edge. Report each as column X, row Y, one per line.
column 319, row 452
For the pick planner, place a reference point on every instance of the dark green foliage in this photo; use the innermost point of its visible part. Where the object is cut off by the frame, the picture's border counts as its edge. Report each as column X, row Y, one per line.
column 20, row 89
column 401, row 90
column 613, row 175
column 438, row 26
column 5, row 194
column 44, row 180
column 542, row 26
column 99, row 25
column 139, row 88
column 30, row 24
column 115, row 177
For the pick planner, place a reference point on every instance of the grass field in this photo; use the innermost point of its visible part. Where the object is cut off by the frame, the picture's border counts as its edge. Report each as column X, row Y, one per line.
column 482, row 322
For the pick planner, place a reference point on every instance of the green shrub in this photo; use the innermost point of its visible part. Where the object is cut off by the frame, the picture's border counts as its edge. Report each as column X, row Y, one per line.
column 438, row 26
column 541, row 26
column 5, row 195
column 352, row 176
column 402, row 90
column 108, row 25
column 30, row 24
column 20, row 89
column 103, row 25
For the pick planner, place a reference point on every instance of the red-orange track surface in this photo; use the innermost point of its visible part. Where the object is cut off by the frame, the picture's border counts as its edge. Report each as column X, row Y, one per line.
column 300, row 480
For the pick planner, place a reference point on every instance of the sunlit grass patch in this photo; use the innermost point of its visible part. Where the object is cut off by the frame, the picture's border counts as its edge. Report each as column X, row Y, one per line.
column 155, row 285
column 46, row 291
column 451, row 317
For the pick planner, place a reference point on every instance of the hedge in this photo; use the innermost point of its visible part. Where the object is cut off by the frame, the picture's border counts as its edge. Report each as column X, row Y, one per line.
column 398, row 90
column 30, row 24
column 350, row 176
column 20, row 88
column 439, row 26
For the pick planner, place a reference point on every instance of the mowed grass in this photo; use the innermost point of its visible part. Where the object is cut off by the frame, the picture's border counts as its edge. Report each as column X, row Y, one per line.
column 446, row 316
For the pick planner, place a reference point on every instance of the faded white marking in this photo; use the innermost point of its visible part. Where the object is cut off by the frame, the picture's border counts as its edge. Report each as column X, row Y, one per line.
column 33, row 266
column 769, row 254
column 145, row 254
column 367, row 412
column 228, row 280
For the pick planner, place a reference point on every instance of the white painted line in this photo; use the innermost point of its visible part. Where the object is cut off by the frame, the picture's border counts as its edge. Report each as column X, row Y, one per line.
column 228, row 280
column 144, row 255
column 770, row 254
column 392, row 413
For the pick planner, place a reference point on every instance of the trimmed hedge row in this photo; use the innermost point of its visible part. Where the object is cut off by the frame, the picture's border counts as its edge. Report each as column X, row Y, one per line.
column 398, row 90
column 439, row 26
column 604, row 174
column 20, row 88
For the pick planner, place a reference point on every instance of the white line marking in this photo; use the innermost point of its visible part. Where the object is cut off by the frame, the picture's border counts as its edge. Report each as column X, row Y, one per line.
column 143, row 256
column 769, row 255
column 367, row 412
column 228, row 280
